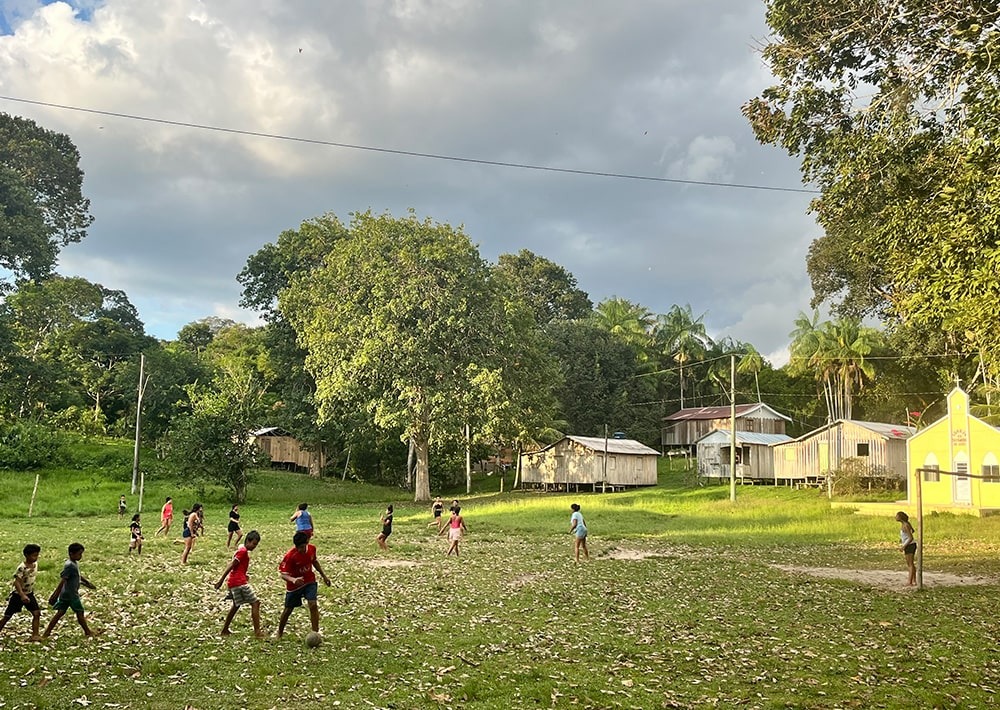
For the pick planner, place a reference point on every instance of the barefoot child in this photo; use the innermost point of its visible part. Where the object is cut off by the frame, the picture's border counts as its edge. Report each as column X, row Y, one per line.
column 67, row 594
column 166, row 517
column 300, row 581
column 436, row 509
column 234, row 526
column 23, row 596
column 908, row 544
column 122, row 507
column 303, row 520
column 191, row 523
column 455, row 528
column 239, row 585
column 135, row 532
column 578, row 528
column 386, row 528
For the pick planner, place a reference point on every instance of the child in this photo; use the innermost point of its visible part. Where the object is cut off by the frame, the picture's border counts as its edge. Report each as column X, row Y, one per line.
column 191, row 523
column 386, row 528
column 436, row 509
column 234, row 526
column 578, row 528
column 455, row 528
column 303, row 520
column 166, row 517
column 300, row 582
column 135, row 530
column 122, row 507
column 908, row 544
column 23, row 596
column 67, row 594
column 240, row 590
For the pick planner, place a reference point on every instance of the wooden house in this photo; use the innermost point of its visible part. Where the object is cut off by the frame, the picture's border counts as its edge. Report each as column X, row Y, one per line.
column 286, row 451
column 814, row 455
column 754, row 458
column 576, row 462
column 686, row 426
column 958, row 443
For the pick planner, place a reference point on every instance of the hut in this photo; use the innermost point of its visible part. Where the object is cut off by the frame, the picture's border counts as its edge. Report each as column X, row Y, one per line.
column 574, row 462
column 685, row 427
column 286, row 451
column 882, row 447
column 754, row 458
column 958, row 460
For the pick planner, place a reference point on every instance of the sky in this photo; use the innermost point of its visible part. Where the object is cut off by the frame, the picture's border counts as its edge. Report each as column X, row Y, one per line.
column 644, row 88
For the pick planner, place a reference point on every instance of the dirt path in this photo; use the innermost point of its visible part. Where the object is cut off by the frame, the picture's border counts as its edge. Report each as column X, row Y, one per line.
column 886, row 579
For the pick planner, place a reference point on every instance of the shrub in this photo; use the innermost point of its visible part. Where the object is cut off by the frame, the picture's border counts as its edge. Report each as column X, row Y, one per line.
column 855, row 477
column 26, row 445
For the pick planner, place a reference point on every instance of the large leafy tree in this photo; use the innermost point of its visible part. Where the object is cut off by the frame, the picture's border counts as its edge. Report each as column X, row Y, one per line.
column 547, row 288
column 403, row 320
column 42, row 206
column 894, row 108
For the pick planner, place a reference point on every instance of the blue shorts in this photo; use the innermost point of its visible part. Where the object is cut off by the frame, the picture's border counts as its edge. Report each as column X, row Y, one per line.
column 74, row 603
column 307, row 591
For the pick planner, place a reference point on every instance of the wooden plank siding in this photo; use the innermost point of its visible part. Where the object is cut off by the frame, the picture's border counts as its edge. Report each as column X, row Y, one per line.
column 687, row 426
column 287, row 450
column 570, row 463
column 817, row 453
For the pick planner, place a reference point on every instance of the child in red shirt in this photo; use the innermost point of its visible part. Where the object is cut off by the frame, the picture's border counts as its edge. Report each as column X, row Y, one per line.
column 300, row 582
column 239, row 585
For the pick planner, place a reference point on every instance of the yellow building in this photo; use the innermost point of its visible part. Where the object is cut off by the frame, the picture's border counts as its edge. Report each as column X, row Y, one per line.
column 959, row 456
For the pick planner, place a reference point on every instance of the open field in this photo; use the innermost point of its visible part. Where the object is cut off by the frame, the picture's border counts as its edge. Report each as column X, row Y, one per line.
column 687, row 601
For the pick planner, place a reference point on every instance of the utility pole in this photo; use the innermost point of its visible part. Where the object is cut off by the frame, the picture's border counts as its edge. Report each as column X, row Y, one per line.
column 732, row 428
column 138, row 419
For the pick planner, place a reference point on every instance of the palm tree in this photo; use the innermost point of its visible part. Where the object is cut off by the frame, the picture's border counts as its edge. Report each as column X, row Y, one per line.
column 629, row 321
column 681, row 336
column 751, row 361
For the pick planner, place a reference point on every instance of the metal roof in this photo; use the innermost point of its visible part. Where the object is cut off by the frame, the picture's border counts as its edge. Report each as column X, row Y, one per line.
column 696, row 413
column 886, row 431
column 745, row 437
column 614, row 446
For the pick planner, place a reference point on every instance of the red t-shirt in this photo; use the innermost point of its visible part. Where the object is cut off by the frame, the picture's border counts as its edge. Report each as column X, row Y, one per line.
column 238, row 576
column 298, row 564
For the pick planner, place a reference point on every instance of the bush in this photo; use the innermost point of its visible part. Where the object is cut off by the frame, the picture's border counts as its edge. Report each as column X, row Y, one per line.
column 855, row 477
column 27, row 445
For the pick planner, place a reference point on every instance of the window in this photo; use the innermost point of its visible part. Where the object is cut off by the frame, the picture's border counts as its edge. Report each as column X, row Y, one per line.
column 931, row 474
column 863, row 449
column 611, row 463
column 991, row 473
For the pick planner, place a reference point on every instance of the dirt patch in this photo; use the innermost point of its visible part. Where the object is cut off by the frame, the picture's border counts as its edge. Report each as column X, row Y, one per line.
column 887, row 579
column 390, row 563
column 619, row 554
column 523, row 581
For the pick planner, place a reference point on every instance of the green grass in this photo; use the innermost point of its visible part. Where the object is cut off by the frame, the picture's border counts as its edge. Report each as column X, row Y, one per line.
column 694, row 615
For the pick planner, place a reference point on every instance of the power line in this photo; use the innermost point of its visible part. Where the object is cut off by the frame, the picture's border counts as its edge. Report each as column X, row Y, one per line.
column 412, row 153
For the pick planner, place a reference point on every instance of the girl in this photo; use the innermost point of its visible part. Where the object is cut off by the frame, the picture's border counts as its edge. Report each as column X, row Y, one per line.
column 386, row 528
column 191, row 523
column 455, row 528
column 166, row 517
column 234, row 526
column 578, row 528
column 303, row 520
column 135, row 530
column 908, row 545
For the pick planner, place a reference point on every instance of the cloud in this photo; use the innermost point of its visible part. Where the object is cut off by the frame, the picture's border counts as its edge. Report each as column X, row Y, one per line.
column 643, row 88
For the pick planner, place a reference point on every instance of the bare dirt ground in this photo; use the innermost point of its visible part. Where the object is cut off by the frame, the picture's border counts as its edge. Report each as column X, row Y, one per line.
column 887, row 579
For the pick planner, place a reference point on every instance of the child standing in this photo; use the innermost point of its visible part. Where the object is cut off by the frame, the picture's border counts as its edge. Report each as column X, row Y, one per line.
column 578, row 528
column 908, row 544
column 122, row 507
column 303, row 520
column 234, row 526
column 239, row 585
column 436, row 509
column 300, row 582
column 386, row 528
column 67, row 594
column 166, row 517
column 135, row 531
column 191, row 523
column 23, row 596
column 456, row 526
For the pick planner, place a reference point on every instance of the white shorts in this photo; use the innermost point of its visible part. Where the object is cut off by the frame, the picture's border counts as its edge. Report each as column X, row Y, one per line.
column 242, row 595
column 454, row 533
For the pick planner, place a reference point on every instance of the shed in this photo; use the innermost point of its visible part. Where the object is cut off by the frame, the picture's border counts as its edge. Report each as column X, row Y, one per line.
column 813, row 455
column 958, row 458
column 285, row 450
column 686, row 426
column 576, row 461
column 754, row 459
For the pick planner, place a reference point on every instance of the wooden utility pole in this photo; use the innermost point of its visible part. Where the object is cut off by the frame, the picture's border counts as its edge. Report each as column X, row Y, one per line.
column 732, row 428
column 138, row 419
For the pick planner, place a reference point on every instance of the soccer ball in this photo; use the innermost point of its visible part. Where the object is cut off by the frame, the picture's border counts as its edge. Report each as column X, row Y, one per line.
column 313, row 639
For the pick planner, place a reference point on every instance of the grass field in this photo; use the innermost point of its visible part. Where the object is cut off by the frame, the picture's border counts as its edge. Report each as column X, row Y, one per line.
column 681, row 604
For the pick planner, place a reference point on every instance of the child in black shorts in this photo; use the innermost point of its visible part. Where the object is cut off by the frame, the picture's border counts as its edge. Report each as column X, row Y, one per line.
column 23, row 596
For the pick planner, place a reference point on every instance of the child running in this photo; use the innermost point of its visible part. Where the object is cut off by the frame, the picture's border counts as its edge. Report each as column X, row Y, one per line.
column 23, row 596
column 578, row 528
column 238, row 582
column 303, row 520
column 436, row 509
column 300, row 581
column 386, row 528
column 67, row 594
column 166, row 517
column 456, row 526
column 135, row 532
column 234, row 526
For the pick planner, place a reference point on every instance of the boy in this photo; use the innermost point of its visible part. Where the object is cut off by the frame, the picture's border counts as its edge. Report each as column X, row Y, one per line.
column 67, row 594
column 239, row 585
column 135, row 533
column 23, row 596
column 300, row 582
column 122, row 507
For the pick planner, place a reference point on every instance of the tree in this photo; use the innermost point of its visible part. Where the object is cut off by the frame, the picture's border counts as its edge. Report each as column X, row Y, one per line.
column 631, row 322
column 681, row 337
column 547, row 288
column 894, row 108
column 42, row 206
column 403, row 321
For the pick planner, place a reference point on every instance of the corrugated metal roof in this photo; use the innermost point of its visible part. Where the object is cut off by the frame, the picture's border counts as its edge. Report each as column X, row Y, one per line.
column 696, row 413
column 887, row 431
column 615, row 446
column 745, row 437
